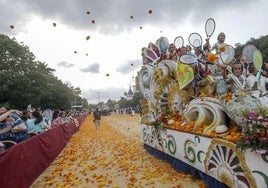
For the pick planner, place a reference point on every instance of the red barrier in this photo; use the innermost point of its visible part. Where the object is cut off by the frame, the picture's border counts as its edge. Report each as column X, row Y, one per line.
column 24, row 162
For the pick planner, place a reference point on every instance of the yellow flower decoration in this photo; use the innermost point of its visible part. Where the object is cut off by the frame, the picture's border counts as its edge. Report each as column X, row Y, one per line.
column 212, row 57
column 222, row 49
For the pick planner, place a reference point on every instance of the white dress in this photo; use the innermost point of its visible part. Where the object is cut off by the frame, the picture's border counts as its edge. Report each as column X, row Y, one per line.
column 251, row 79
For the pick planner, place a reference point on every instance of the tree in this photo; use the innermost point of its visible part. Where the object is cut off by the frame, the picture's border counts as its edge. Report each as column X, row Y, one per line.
column 260, row 43
column 25, row 81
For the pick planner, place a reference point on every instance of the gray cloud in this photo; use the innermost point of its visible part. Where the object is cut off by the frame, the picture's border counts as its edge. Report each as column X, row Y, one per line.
column 98, row 95
column 93, row 68
column 113, row 16
column 65, row 64
column 129, row 66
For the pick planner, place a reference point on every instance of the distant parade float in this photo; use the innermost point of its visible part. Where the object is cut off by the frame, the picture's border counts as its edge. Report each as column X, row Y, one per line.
column 199, row 116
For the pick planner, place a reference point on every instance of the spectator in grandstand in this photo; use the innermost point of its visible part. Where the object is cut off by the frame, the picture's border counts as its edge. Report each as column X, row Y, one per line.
column 36, row 123
column 57, row 118
column 47, row 116
column 26, row 115
column 12, row 126
column 4, row 128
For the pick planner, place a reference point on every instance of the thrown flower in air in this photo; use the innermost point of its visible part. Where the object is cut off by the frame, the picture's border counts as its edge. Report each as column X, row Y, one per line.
column 11, row 27
column 222, row 48
column 86, row 54
column 150, row 11
column 75, row 52
column 88, row 12
column 93, row 21
column 212, row 57
column 54, row 24
column 88, row 37
column 140, row 27
column 107, row 74
column 131, row 17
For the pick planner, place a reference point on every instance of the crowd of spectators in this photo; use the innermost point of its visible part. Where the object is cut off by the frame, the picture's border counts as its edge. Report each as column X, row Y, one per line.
column 16, row 126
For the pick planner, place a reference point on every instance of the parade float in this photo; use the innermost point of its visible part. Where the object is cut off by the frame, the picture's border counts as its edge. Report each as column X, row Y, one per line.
column 221, row 138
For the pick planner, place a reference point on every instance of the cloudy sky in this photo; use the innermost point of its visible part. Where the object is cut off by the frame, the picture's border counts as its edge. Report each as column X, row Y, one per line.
column 96, row 44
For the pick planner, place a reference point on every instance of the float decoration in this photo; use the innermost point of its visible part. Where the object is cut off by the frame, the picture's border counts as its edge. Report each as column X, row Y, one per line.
column 186, row 122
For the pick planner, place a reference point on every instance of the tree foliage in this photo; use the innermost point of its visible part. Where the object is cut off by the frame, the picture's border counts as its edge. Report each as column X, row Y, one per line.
column 24, row 81
column 260, row 43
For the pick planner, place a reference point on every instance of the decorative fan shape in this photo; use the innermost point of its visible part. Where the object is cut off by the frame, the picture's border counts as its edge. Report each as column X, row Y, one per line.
column 185, row 75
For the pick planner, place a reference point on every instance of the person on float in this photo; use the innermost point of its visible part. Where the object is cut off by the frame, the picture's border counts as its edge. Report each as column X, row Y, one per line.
column 235, row 81
column 245, row 64
column 208, row 67
column 257, row 85
column 221, row 42
column 189, row 50
column 183, row 50
column 171, row 54
column 265, row 71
